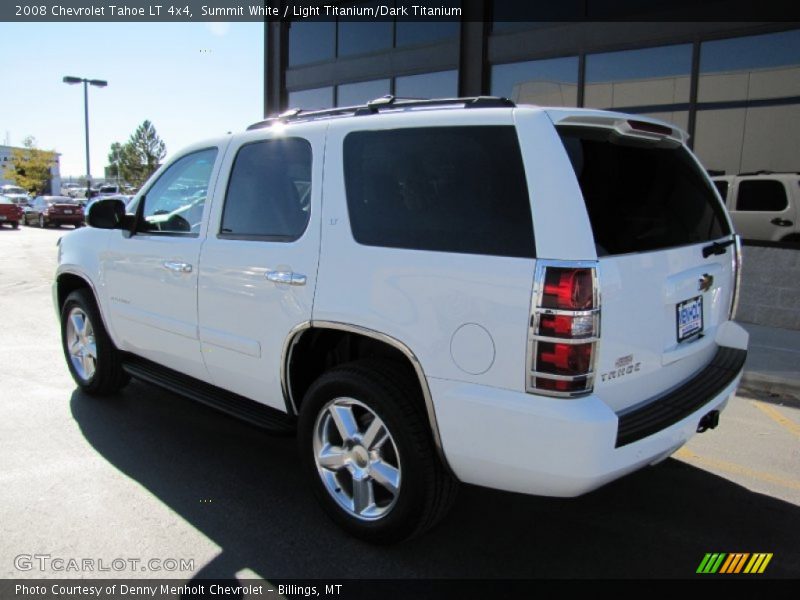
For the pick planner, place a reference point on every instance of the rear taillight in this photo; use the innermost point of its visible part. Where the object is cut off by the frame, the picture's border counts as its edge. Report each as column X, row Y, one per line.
column 564, row 328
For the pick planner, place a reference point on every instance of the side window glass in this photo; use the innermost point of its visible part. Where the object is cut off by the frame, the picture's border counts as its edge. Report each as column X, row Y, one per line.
column 174, row 203
column 763, row 195
column 269, row 191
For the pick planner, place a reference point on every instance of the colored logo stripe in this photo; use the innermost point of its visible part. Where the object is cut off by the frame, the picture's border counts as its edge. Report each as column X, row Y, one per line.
column 711, row 562
column 758, row 563
column 723, row 563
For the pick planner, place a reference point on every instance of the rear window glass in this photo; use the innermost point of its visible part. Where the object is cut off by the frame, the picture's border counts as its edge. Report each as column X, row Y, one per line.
column 447, row 189
column 641, row 197
column 765, row 195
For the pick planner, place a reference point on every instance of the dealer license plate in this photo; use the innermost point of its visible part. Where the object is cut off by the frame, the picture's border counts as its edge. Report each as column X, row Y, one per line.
column 690, row 318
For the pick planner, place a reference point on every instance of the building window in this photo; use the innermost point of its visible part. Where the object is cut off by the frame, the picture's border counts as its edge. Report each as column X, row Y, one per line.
column 552, row 82
column 426, row 32
column 748, row 117
column 352, row 94
column 443, row 84
column 650, row 81
column 311, row 99
column 364, row 35
column 311, row 41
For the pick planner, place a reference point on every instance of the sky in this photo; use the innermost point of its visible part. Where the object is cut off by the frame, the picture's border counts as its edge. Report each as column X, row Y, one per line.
column 191, row 80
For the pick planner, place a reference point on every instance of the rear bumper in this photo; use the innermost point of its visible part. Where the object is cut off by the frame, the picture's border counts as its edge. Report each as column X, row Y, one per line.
column 64, row 219
column 554, row 447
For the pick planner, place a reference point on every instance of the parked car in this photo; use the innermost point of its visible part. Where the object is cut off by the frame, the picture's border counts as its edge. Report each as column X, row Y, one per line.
column 108, row 190
column 55, row 210
column 69, row 189
column 10, row 212
column 16, row 194
column 763, row 205
column 528, row 299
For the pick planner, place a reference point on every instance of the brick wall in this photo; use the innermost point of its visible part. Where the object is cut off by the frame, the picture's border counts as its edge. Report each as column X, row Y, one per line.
column 770, row 292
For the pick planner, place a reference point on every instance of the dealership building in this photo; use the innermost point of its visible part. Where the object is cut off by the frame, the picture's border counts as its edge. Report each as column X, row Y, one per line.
column 733, row 86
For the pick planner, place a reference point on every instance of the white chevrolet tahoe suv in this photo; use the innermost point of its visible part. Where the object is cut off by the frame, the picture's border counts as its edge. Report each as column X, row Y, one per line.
column 529, row 299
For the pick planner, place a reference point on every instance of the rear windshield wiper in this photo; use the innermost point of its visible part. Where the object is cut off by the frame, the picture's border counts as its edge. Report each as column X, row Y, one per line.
column 716, row 248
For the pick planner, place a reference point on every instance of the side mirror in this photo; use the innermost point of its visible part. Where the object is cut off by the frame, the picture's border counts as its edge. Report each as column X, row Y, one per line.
column 107, row 213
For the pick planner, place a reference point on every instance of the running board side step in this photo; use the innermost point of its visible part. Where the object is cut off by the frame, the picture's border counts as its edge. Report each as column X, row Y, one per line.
column 255, row 413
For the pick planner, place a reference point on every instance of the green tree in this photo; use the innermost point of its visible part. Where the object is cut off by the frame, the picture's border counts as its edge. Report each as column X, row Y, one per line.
column 29, row 167
column 114, row 158
column 141, row 155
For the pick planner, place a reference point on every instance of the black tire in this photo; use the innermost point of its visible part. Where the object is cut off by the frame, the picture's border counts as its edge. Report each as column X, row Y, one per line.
column 14, row 224
column 108, row 376
column 426, row 489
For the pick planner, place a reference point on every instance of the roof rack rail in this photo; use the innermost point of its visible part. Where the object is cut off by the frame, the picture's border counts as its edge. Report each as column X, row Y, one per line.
column 768, row 172
column 384, row 102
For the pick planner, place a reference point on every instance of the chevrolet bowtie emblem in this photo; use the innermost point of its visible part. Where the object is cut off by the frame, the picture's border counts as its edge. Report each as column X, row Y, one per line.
column 705, row 282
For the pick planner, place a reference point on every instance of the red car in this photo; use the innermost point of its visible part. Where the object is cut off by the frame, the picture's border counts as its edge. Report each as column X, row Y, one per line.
column 9, row 213
column 54, row 210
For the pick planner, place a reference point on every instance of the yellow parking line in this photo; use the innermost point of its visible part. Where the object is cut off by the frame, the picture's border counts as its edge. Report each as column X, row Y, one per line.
column 776, row 416
column 733, row 468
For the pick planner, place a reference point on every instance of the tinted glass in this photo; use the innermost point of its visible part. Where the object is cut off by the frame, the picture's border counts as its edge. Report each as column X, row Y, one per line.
column 352, row 94
column 312, row 99
column 552, row 82
column 174, row 203
column 443, row 84
column 449, row 189
column 311, row 41
column 365, row 35
column 426, row 32
column 269, row 191
column 761, row 195
column 642, row 198
column 722, row 188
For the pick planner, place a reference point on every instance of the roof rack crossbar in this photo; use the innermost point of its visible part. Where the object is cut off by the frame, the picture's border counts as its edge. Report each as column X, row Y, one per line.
column 384, row 103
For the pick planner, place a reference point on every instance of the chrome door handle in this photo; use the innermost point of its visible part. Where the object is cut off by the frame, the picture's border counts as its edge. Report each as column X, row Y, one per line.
column 286, row 277
column 177, row 267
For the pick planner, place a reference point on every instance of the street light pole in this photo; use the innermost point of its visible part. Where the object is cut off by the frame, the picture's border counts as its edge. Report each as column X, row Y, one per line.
column 86, row 128
column 86, row 83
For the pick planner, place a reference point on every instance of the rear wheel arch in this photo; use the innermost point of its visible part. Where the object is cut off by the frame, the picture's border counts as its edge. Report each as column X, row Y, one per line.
column 312, row 349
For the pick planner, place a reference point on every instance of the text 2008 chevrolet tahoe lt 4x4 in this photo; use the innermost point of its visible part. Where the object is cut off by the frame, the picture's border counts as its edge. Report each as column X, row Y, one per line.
column 536, row 300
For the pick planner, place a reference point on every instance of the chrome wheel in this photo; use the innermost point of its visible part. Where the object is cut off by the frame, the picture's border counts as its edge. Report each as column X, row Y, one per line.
column 41, row 221
column 357, row 458
column 81, row 344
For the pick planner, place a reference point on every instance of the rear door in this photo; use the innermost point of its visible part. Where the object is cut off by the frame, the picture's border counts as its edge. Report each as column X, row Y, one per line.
column 665, row 287
column 762, row 210
column 258, row 266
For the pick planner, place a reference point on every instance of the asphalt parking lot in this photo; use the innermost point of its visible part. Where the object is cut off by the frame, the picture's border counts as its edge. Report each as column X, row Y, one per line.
column 149, row 475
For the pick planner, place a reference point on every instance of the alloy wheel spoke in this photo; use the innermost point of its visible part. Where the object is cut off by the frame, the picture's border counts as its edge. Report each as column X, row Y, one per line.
column 345, row 421
column 91, row 349
column 331, row 457
column 385, row 475
column 77, row 324
column 363, row 494
column 376, row 435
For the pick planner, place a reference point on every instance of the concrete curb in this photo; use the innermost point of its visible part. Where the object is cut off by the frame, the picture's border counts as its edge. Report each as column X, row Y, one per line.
column 770, row 384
